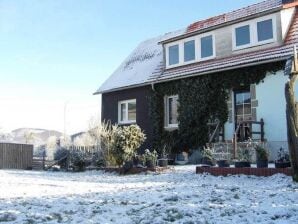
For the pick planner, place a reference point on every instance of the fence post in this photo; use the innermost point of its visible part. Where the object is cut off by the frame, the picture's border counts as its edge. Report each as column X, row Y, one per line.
column 43, row 160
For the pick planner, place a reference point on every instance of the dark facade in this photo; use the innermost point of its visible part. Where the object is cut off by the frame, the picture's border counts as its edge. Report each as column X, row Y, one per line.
column 110, row 109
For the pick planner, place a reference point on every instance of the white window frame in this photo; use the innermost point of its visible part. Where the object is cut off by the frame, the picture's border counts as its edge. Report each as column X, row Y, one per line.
column 254, row 32
column 167, row 117
column 213, row 46
column 126, row 102
column 198, row 57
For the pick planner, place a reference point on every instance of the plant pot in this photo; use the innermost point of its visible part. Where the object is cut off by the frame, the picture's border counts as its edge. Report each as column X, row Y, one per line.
column 163, row 162
column 223, row 163
column 207, row 161
column 282, row 164
column 262, row 163
column 242, row 164
column 150, row 164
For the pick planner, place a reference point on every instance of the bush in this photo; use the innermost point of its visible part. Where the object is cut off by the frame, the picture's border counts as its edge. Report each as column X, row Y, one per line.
column 261, row 153
column 59, row 154
column 98, row 159
column 126, row 141
column 78, row 160
column 150, row 157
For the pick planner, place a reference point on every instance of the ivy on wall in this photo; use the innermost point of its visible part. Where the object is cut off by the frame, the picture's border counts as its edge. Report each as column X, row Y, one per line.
column 201, row 98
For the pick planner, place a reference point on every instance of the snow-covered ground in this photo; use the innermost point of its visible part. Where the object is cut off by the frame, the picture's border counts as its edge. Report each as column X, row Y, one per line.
column 178, row 196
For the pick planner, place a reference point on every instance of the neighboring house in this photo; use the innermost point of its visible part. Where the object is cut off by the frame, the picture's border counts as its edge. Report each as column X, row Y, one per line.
column 242, row 42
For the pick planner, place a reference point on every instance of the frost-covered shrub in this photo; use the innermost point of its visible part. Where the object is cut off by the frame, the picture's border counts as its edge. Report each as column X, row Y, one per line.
column 126, row 140
column 78, row 159
column 150, row 158
column 59, row 154
column 98, row 159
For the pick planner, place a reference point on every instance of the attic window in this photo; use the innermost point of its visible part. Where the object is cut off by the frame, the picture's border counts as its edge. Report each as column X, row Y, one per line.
column 242, row 35
column 174, row 54
column 265, row 30
column 207, row 46
column 254, row 32
column 189, row 51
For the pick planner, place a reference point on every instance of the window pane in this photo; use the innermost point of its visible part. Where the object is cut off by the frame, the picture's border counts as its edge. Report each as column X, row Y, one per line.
column 122, row 111
column 206, row 46
column 242, row 98
column 247, row 109
column 173, row 55
column 265, row 30
column 239, row 110
column 189, row 50
column 242, row 35
column 173, row 113
column 132, row 111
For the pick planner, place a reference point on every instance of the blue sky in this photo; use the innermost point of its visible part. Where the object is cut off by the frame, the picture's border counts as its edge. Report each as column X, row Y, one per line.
column 56, row 53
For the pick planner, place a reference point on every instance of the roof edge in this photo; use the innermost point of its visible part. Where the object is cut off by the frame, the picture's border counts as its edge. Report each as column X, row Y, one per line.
column 185, row 35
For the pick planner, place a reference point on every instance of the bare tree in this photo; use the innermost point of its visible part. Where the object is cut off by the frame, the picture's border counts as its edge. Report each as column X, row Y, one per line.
column 29, row 136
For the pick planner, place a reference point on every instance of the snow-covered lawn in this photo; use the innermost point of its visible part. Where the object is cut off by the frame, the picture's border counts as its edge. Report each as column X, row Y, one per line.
column 178, row 196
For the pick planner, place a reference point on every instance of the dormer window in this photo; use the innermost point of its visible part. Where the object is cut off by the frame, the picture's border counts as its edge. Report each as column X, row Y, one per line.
column 265, row 30
column 242, row 35
column 255, row 32
column 207, row 46
column 174, row 54
column 189, row 51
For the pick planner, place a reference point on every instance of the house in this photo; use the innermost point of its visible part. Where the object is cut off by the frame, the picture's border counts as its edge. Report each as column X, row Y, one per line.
column 223, row 75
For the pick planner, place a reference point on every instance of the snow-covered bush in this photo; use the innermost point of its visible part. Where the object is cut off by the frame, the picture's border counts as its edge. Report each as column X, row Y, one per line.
column 126, row 140
column 150, row 158
column 78, row 160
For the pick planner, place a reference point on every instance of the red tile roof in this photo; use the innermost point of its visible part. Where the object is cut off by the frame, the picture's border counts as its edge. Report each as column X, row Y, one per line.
column 233, row 16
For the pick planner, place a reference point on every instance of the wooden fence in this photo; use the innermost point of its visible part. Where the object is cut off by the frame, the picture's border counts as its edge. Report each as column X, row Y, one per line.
column 16, row 156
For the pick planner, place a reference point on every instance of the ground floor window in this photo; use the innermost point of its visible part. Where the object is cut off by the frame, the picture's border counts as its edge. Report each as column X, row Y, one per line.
column 127, row 111
column 171, row 111
column 243, row 112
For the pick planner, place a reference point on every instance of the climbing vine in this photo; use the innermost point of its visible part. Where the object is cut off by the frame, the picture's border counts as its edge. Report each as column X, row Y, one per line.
column 201, row 98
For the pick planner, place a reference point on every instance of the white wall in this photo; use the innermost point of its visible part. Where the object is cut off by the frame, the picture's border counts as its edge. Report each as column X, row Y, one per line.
column 272, row 106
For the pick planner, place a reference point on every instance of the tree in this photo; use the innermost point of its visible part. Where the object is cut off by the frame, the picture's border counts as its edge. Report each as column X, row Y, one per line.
column 29, row 136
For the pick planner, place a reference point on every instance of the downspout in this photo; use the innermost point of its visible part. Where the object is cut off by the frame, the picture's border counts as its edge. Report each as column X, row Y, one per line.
column 152, row 87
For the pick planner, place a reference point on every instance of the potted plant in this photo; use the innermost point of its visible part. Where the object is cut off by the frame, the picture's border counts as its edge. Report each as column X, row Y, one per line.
column 163, row 161
column 207, row 158
column 283, row 159
column 244, row 158
column 262, row 157
column 150, row 158
column 222, row 161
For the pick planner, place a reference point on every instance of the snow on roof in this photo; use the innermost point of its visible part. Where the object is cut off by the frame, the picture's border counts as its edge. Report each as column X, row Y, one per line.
column 139, row 65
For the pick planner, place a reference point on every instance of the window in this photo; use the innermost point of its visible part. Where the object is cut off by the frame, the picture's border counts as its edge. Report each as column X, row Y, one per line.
column 206, row 46
column 242, row 35
column 189, row 51
column 127, row 111
column 243, row 106
column 193, row 49
column 174, row 54
column 255, row 32
column 265, row 30
column 171, row 111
